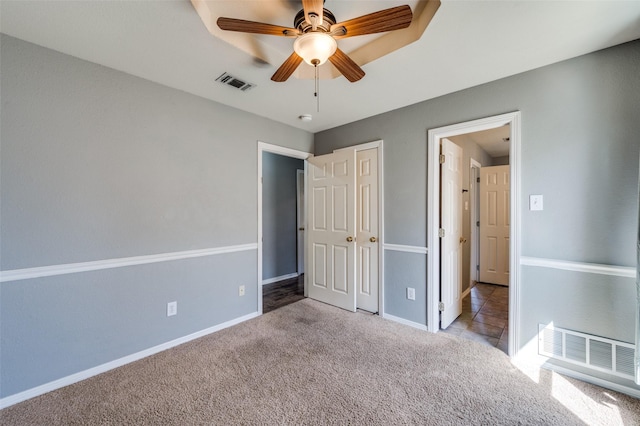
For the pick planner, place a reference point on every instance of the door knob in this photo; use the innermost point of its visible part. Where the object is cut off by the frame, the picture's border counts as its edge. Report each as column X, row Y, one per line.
column 349, row 239
column 373, row 239
column 300, row 229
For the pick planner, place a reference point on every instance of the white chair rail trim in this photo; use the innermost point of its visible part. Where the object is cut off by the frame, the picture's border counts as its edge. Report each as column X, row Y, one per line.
column 71, row 268
column 591, row 268
column 406, row 249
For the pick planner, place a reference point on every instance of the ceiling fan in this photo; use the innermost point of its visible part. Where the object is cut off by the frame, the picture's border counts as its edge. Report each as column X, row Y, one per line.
column 315, row 31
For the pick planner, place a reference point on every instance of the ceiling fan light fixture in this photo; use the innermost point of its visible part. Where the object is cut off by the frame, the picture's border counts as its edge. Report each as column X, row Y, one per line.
column 315, row 47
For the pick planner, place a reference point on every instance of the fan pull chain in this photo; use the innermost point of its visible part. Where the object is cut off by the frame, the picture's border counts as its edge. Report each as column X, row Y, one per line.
column 317, row 92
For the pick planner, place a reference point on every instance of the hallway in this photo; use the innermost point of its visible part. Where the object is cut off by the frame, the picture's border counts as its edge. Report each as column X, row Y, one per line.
column 282, row 293
column 485, row 316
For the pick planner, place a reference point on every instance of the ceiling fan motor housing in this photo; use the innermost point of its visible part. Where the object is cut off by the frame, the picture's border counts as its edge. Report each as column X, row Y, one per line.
column 328, row 19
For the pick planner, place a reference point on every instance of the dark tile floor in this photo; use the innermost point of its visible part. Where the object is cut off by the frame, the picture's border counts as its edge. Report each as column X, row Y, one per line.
column 281, row 293
column 485, row 316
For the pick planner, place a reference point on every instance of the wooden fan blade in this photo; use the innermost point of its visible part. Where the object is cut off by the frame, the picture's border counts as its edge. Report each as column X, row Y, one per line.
column 287, row 68
column 391, row 19
column 232, row 24
column 346, row 66
column 315, row 7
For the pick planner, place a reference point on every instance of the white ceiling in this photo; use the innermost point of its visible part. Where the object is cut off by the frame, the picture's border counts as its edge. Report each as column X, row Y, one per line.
column 494, row 142
column 467, row 43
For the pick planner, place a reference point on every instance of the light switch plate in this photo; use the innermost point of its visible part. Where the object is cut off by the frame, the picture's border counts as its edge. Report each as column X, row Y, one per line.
column 411, row 293
column 172, row 309
column 535, row 202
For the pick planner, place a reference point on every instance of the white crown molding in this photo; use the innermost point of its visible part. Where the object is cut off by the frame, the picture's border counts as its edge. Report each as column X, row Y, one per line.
column 71, row 268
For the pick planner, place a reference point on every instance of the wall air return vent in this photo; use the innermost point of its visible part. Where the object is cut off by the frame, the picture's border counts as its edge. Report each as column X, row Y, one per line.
column 594, row 352
column 232, row 81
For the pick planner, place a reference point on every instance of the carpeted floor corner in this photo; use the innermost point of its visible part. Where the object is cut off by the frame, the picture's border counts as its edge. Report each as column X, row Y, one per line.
column 310, row 363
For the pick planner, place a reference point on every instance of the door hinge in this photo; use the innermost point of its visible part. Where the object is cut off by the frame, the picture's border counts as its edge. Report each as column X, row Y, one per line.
column 477, row 267
column 442, row 158
column 478, row 179
column 478, row 223
column 441, row 306
column 441, row 232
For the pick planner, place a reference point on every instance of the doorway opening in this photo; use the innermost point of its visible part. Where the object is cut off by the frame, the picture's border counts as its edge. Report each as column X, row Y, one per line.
column 482, row 296
column 451, row 257
column 281, row 226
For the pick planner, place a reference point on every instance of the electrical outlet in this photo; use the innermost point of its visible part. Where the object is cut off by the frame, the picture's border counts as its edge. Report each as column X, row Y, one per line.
column 411, row 293
column 241, row 290
column 172, row 309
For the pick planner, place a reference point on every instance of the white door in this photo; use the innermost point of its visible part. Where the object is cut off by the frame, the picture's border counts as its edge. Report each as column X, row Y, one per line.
column 494, row 225
column 451, row 243
column 368, row 245
column 300, row 219
column 331, row 226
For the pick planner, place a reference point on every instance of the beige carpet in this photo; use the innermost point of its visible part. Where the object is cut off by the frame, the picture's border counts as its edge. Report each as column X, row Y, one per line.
column 309, row 363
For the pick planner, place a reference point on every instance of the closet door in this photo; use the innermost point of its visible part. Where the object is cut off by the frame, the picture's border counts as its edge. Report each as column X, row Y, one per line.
column 367, row 224
column 331, row 249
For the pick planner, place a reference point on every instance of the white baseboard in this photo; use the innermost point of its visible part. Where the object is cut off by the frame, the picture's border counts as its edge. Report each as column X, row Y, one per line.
column 539, row 361
column 466, row 292
column 405, row 322
column 280, row 278
column 82, row 375
column 593, row 380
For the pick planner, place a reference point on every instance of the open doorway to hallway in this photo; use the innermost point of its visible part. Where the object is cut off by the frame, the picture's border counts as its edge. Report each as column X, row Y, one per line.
column 281, row 205
column 280, row 228
column 282, row 293
column 445, row 266
column 483, row 244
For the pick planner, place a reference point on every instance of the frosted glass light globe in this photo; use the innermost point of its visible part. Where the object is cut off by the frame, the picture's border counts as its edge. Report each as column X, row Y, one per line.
column 315, row 47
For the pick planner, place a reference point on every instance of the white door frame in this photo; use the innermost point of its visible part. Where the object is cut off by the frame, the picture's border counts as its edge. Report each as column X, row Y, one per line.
column 473, row 214
column 433, row 222
column 287, row 152
column 379, row 146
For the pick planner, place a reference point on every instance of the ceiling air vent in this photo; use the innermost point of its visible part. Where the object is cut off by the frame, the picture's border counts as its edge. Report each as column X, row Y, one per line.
column 230, row 80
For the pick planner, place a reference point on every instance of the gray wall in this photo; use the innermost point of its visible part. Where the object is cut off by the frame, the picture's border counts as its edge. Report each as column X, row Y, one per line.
column 279, row 215
column 97, row 164
column 580, row 150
